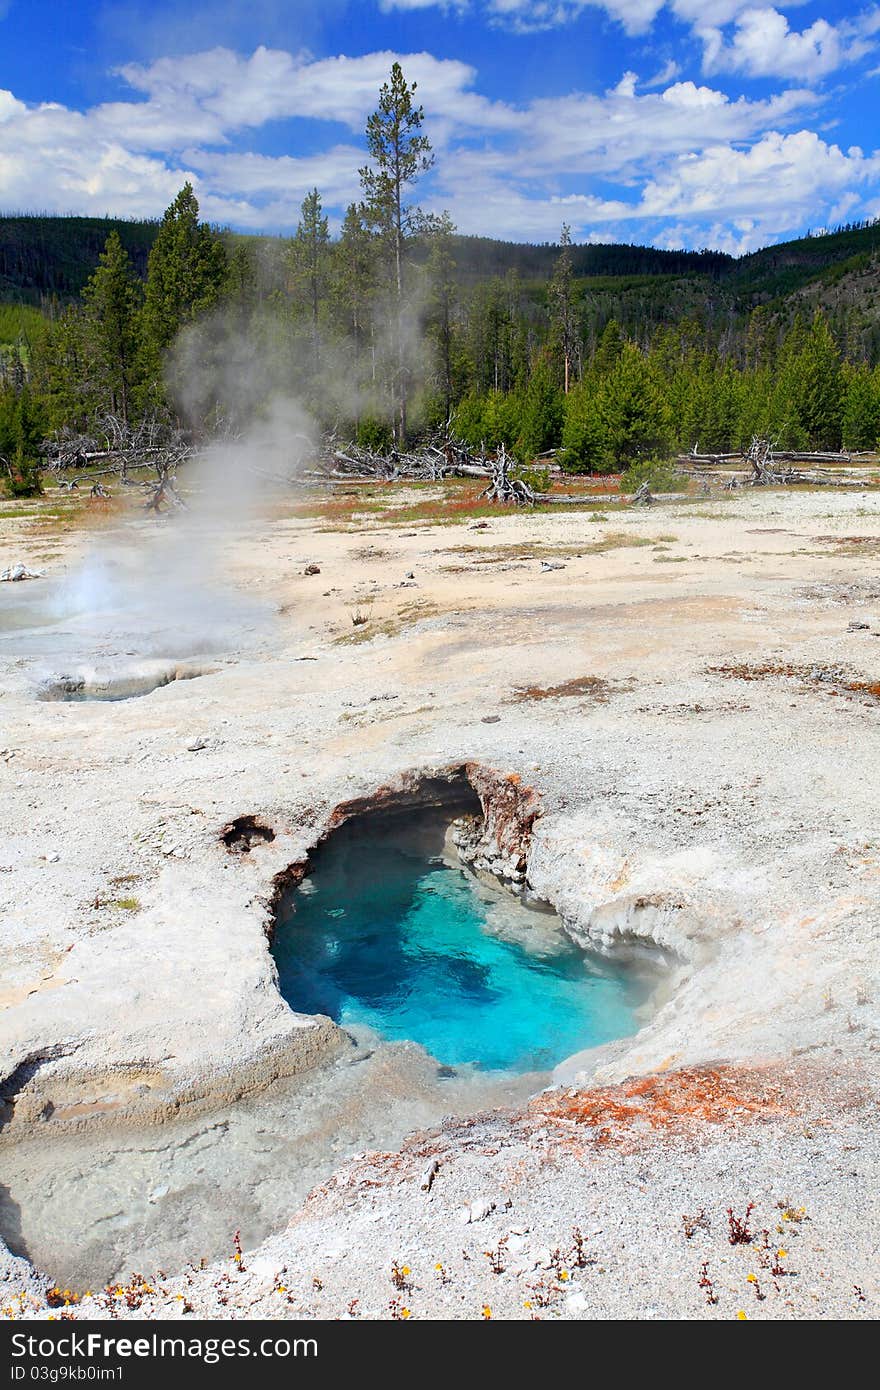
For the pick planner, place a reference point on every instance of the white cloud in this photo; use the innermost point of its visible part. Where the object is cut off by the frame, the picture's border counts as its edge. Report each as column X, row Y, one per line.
column 635, row 16
column 460, row 5
column 764, row 45
column 235, row 92
column 795, row 177
column 622, row 133
column 667, row 73
column 52, row 159
column 526, row 16
column 717, row 13
column 530, row 16
column 270, row 189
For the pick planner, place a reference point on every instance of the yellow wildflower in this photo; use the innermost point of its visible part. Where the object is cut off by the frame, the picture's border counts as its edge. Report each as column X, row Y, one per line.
column 404, row 1312
column 742, row 1317
column 487, row 1311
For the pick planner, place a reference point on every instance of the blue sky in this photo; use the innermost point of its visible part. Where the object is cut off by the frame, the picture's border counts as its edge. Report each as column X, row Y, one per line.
column 671, row 122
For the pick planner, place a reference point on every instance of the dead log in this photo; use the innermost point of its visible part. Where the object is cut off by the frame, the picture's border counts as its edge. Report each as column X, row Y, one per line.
column 643, row 496
column 503, row 488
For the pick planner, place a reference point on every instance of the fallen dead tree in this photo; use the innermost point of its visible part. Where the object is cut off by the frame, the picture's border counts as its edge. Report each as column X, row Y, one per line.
column 763, row 465
column 780, row 455
column 508, row 489
column 447, row 457
column 431, row 462
column 13, row 574
column 115, row 449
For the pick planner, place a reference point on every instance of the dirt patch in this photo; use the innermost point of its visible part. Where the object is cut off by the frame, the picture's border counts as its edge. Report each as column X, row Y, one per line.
column 370, row 552
column 842, row 594
column 851, row 545
column 827, row 678
column 595, row 687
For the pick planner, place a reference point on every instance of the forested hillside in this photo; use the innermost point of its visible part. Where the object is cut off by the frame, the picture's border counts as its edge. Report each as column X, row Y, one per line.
column 46, row 261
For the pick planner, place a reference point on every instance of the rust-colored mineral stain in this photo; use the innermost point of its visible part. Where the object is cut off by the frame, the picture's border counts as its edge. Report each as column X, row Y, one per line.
column 675, row 1104
column 825, row 678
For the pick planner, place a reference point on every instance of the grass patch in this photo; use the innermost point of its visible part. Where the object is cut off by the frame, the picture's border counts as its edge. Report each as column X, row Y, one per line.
column 57, row 513
column 392, row 626
column 618, row 540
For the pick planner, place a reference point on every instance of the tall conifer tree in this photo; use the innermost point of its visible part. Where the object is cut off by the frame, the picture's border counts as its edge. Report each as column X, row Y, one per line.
column 400, row 153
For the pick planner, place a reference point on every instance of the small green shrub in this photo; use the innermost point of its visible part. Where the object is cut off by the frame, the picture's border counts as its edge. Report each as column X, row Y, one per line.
column 659, row 475
column 21, row 476
column 538, row 479
column 375, row 434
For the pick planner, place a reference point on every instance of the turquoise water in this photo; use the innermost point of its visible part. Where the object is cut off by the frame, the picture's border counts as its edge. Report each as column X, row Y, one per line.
column 384, row 936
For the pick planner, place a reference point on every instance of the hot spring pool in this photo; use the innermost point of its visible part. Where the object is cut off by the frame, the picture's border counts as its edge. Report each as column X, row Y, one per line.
column 459, row 999
column 386, row 936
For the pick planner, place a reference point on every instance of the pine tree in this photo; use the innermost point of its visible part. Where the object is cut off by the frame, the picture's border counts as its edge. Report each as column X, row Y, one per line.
column 861, row 407
column 354, row 275
column 242, row 289
column 634, row 417
column 441, row 302
column 760, row 344
column 400, row 154
column 542, row 413
column 22, row 428
column 609, row 348
column 60, row 373
column 563, row 304
column 784, row 416
column 497, row 341
column 308, row 258
column 584, row 447
column 112, row 300
column 186, row 276
column 820, row 392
